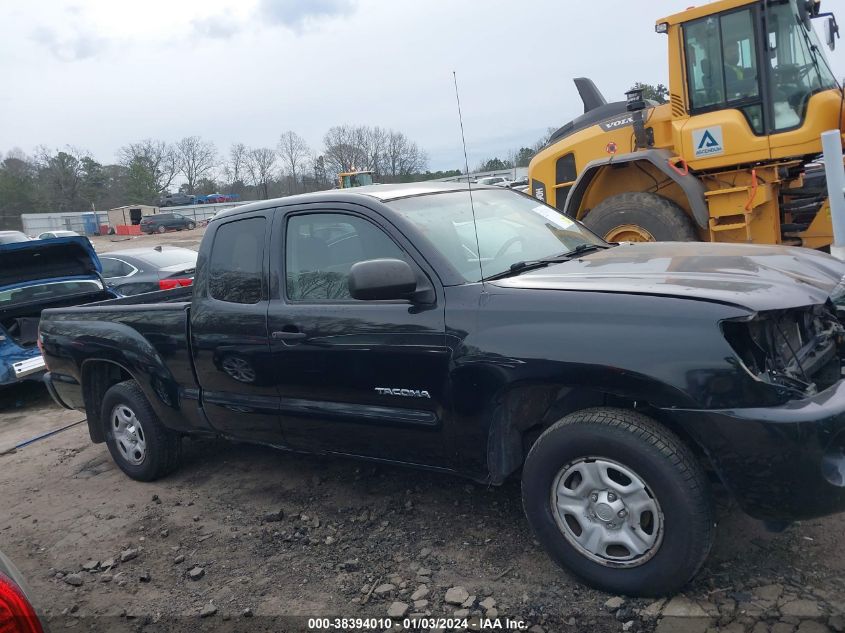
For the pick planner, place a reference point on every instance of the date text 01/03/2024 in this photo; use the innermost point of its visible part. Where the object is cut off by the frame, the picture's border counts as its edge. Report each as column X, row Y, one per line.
column 422, row 623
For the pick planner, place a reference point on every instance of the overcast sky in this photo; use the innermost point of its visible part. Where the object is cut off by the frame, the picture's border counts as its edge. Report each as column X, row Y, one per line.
column 98, row 74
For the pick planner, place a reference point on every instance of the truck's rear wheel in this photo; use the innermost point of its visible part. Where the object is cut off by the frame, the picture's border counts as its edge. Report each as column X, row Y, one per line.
column 620, row 501
column 139, row 444
column 640, row 217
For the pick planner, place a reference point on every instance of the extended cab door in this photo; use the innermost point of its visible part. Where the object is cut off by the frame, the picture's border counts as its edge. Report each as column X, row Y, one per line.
column 229, row 329
column 358, row 377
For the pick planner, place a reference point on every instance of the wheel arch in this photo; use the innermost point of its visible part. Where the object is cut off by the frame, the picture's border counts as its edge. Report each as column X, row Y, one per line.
column 523, row 412
column 98, row 376
column 691, row 188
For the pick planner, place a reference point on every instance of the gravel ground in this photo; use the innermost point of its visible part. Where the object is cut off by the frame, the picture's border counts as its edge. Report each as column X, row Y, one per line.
column 246, row 531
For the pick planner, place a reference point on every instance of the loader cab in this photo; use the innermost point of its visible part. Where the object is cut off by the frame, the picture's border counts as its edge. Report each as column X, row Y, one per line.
column 761, row 60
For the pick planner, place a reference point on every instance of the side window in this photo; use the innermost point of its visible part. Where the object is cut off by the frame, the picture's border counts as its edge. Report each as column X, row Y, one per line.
column 237, row 256
column 722, row 64
column 114, row 267
column 321, row 249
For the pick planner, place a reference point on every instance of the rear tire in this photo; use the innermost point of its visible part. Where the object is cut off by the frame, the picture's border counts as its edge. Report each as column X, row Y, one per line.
column 139, row 444
column 640, row 217
column 574, row 488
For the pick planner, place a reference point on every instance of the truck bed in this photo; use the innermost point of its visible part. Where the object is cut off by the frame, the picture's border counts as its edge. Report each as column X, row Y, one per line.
column 149, row 332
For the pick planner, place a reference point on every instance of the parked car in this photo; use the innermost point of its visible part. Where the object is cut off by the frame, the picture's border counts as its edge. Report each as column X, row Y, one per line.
column 136, row 270
column 214, row 198
column 34, row 275
column 17, row 613
column 619, row 380
column 520, row 184
column 11, row 237
column 176, row 200
column 163, row 222
column 492, row 180
column 48, row 235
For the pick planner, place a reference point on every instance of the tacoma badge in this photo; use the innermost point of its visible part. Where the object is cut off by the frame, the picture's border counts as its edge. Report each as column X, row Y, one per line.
column 408, row 393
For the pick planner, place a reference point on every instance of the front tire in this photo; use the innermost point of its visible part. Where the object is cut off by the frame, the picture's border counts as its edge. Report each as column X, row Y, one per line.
column 620, row 501
column 191, row 226
column 139, row 444
column 162, row 229
column 640, row 217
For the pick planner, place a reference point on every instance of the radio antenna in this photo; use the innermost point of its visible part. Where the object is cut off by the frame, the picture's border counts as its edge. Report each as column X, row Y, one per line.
column 469, row 184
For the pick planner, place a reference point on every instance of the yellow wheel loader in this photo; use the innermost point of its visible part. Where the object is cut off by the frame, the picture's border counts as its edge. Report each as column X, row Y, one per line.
column 730, row 157
column 349, row 179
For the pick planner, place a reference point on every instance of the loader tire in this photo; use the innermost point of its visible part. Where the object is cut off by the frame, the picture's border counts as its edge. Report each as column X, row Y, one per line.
column 640, row 217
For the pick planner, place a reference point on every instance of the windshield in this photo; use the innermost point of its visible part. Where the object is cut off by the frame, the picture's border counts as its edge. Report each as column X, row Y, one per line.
column 39, row 293
column 799, row 67
column 511, row 228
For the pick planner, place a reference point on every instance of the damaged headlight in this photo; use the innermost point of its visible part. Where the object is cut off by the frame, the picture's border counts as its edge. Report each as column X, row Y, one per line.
column 796, row 350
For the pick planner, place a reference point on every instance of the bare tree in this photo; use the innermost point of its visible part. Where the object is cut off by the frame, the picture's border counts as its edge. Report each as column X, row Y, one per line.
column 235, row 167
column 402, row 156
column 259, row 165
column 294, row 151
column 156, row 158
column 197, row 158
column 344, row 149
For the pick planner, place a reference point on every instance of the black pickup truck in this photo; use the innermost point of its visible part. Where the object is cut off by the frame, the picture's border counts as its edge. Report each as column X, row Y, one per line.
column 622, row 381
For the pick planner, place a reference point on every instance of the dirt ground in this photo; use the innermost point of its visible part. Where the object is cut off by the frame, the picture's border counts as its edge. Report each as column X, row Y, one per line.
column 279, row 535
column 248, row 538
column 183, row 239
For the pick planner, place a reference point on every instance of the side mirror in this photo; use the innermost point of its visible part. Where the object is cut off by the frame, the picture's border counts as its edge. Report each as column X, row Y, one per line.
column 382, row 279
column 805, row 12
column 831, row 31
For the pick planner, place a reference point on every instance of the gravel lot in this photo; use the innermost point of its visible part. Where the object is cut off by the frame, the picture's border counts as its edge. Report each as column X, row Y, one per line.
column 253, row 538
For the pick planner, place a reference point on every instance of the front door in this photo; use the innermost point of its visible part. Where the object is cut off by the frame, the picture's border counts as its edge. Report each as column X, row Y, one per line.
column 229, row 332
column 357, row 377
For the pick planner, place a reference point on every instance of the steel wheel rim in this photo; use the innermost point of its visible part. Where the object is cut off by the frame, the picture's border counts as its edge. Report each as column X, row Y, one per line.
column 129, row 436
column 607, row 512
column 629, row 233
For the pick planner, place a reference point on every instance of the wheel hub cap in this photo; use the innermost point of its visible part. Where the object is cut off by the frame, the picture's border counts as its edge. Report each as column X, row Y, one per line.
column 629, row 233
column 129, row 436
column 607, row 512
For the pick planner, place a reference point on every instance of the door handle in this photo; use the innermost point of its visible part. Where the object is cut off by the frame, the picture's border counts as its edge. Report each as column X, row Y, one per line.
column 288, row 336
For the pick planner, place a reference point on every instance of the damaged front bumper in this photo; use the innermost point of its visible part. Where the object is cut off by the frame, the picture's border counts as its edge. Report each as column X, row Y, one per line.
column 781, row 463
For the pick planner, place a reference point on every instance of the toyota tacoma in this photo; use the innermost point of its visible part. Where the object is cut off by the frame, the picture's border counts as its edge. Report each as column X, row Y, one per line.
column 482, row 333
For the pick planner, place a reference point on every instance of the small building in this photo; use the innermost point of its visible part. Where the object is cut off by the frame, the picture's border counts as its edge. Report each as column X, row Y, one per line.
column 129, row 215
column 84, row 223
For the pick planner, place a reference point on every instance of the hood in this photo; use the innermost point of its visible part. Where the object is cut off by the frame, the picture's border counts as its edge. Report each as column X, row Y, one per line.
column 756, row 277
column 39, row 260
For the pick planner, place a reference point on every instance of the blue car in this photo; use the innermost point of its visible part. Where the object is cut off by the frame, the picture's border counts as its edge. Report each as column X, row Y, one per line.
column 40, row 274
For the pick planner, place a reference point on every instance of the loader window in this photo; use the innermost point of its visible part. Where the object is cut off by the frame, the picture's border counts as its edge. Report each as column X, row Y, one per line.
column 799, row 69
column 721, row 64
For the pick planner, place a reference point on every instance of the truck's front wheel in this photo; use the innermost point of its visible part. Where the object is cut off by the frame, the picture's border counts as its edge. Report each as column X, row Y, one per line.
column 620, row 501
column 138, row 442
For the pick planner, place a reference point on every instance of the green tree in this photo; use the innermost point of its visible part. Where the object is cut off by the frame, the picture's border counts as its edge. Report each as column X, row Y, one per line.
column 655, row 93
column 141, row 182
column 92, row 189
column 18, row 193
column 494, row 164
column 524, row 156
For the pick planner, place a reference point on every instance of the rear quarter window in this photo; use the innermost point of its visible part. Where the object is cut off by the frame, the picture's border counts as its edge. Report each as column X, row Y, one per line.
column 236, row 261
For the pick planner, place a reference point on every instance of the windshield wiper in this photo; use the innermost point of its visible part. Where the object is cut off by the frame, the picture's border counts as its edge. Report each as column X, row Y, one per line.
column 533, row 264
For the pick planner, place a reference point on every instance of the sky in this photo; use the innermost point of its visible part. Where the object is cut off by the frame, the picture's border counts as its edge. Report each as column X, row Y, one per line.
column 99, row 74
